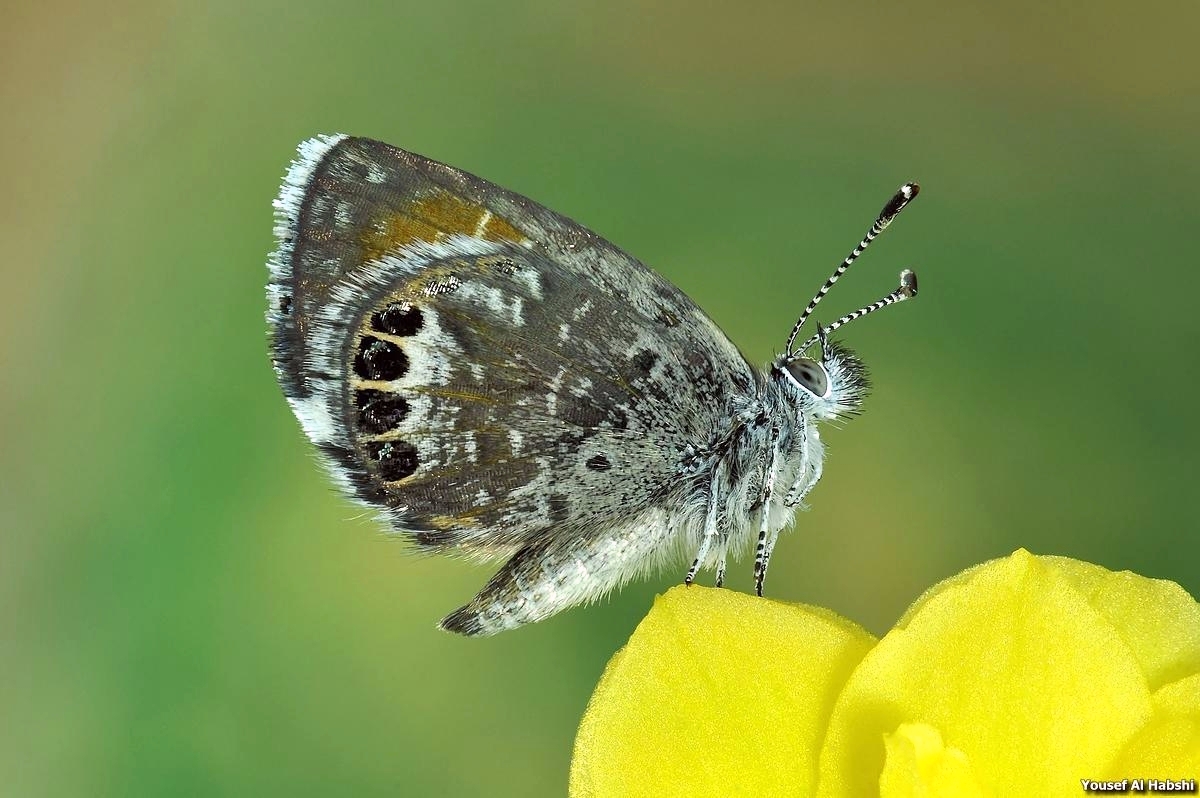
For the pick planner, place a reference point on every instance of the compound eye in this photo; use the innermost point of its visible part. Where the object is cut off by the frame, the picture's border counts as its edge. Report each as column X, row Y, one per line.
column 810, row 375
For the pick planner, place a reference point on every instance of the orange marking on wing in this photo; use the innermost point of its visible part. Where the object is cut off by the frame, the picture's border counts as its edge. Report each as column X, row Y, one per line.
column 498, row 229
column 442, row 523
column 431, row 218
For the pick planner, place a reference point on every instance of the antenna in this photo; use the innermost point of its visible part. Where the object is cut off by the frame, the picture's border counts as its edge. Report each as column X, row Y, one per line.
column 907, row 290
column 889, row 212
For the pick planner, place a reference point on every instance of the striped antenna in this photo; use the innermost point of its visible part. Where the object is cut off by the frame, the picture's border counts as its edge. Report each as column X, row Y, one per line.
column 907, row 290
column 889, row 212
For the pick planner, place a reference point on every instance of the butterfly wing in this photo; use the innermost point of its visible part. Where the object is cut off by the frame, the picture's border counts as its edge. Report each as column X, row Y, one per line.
column 496, row 379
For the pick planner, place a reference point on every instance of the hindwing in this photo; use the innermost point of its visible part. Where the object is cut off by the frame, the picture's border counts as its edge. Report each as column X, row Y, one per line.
column 483, row 370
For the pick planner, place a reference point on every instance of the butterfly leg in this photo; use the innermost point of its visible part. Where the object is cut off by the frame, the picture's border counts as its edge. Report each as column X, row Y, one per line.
column 722, row 550
column 795, row 496
column 809, row 472
column 710, row 536
column 804, row 485
column 761, row 554
column 774, row 536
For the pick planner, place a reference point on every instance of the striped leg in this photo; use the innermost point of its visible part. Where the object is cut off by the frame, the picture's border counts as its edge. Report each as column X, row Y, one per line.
column 803, row 486
column 762, row 553
column 768, row 537
column 710, row 536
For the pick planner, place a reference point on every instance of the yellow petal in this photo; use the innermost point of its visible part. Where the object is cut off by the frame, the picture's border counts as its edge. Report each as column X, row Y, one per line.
column 1013, row 666
column 1179, row 698
column 1167, row 748
column 1157, row 619
column 716, row 693
column 1170, row 742
column 920, row 765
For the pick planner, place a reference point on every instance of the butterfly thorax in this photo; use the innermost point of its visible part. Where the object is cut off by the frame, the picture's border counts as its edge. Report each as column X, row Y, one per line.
column 753, row 474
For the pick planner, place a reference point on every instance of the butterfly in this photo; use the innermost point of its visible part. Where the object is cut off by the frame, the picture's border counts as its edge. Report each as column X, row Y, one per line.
column 501, row 383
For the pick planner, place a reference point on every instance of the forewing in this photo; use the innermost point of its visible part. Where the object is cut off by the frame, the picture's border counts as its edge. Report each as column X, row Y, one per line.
column 480, row 368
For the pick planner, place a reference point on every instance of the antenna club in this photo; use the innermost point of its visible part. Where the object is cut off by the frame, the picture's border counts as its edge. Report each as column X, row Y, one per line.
column 908, row 285
column 902, row 197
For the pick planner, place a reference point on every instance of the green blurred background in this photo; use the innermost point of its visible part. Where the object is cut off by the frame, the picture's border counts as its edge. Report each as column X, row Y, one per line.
column 187, row 606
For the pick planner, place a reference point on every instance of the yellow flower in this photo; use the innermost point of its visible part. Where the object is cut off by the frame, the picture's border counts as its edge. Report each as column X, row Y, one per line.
column 1022, row 676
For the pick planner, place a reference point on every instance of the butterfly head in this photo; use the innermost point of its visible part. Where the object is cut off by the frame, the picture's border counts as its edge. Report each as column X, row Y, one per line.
column 832, row 385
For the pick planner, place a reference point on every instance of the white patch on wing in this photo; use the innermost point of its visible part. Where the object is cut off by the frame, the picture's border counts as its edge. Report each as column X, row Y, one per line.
column 315, row 419
column 531, row 280
column 582, row 387
column 320, row 204
column 483, row 223
column 376, row 175
column 432, row 353
column 582, row 310
column 291, row 196
column 275, row 293
column 343, row 479
column 552, row 394
column 501, row 304
column 344, row 215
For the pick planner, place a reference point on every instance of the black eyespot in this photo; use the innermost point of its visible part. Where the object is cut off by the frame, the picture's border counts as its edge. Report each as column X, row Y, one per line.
column 379, row 360
column 810, row 375
column 285, row 305
column 598, row 462
column 379, row 411
column 396, row 459
column 644, row 360
column 398, row 319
